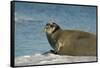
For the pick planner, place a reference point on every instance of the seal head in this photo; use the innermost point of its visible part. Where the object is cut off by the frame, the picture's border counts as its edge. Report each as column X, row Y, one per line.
column 51, row 28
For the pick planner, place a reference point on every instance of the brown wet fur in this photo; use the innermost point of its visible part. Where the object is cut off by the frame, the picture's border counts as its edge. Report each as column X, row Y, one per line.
column 73, row 42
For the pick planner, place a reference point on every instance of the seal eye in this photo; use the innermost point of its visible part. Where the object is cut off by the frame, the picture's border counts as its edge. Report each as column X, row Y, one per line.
column 54, row 23
column 51, row 25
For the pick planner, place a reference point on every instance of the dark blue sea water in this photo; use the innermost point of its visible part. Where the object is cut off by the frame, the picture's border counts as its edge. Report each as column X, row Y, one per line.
column 30, row 19
column 30, row 38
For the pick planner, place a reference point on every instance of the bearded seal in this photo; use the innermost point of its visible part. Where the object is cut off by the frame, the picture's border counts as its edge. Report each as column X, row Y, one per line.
column 70, row 42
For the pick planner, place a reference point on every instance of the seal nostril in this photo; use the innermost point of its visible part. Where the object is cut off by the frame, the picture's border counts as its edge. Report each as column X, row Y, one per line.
column 47, row 24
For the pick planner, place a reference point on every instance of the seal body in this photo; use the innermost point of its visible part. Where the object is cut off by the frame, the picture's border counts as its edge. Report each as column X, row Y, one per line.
column 71, row 42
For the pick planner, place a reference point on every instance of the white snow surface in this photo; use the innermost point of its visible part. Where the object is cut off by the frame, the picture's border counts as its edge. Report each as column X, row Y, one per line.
column 40, row 59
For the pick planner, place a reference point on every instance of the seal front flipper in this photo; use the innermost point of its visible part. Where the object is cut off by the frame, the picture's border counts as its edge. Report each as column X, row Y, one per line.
column 52, row 51
column 48, row 52
column 58, row 47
